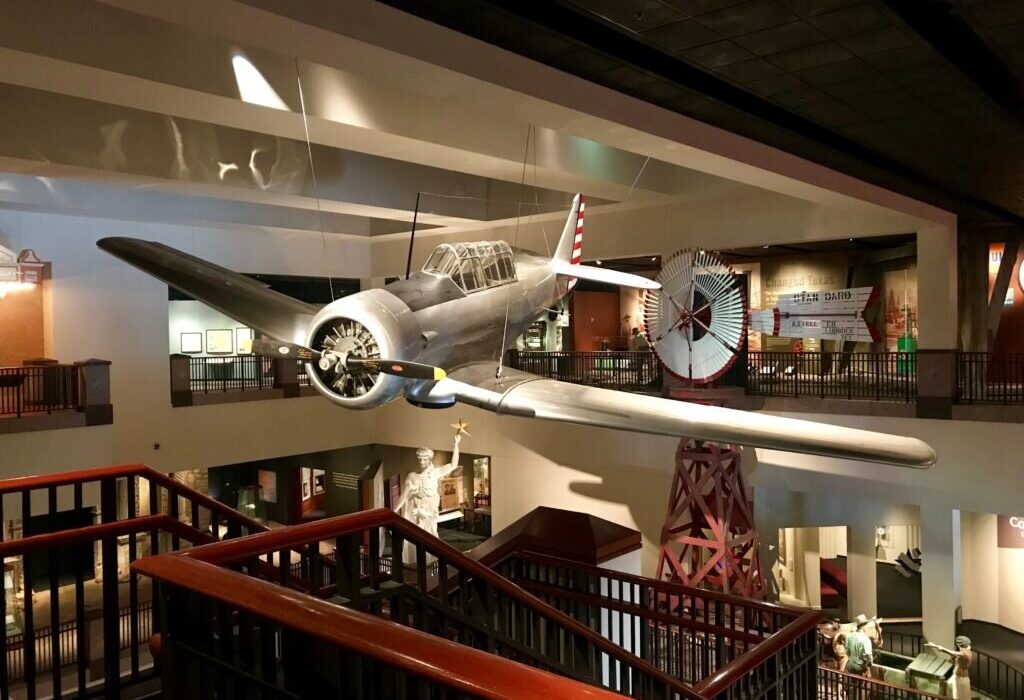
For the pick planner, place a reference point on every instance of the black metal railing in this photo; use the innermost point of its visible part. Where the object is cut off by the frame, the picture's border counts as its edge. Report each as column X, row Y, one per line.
column 231, row 373
column 878, row 376
column 38, row 389
column 990, row 378
column 988, row 674
column 612, row 369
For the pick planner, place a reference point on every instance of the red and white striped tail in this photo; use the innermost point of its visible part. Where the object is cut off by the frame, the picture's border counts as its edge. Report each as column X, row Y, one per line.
column 577, row 244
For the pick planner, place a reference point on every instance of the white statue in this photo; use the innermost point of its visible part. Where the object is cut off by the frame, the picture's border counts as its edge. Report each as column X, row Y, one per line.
column 421, row 496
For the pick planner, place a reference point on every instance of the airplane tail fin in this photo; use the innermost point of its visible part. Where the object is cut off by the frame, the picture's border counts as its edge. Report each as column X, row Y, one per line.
column 570, row 245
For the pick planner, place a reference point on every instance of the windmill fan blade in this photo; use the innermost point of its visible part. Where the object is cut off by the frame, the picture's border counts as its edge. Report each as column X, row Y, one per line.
column 398, row 368
column 271, row 348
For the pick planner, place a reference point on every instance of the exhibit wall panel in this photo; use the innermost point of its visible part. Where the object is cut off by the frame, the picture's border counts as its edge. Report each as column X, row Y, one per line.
column 102, row 308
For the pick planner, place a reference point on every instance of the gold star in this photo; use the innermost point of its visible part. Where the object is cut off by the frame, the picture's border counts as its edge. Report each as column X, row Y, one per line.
column 460, row 428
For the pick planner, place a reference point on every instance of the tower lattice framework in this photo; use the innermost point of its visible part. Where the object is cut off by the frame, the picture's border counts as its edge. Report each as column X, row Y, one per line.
column 709, row 539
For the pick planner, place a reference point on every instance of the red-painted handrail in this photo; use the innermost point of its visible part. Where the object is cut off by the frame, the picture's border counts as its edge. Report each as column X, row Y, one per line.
column 102, row 531
column 668, row 587
column 83, row 476
column 745, row 663
column 438, row 660
column 296, row 536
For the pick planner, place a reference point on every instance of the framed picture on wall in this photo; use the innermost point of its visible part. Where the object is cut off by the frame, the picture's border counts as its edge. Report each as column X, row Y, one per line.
column 191, row 343
column 219, row 341
column 305, row 491
column 319, row 481
column 306, row 477
column 243, row 341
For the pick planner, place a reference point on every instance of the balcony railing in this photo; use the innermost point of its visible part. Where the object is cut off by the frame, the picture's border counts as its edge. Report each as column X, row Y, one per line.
column 877, row 376
column 990, row 378
column 41, row 389
column 612, row 369
column 238, row 373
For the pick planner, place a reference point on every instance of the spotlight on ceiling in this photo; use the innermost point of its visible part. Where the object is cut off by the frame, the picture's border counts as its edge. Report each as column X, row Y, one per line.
column 597, row 262
column 766, row 247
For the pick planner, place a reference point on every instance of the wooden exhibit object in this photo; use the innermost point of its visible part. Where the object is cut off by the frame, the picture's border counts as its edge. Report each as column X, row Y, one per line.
column 709, row 540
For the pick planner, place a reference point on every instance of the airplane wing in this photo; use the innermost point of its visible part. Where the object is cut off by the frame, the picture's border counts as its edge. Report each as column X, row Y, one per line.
column 530, row 396
column 242, row 298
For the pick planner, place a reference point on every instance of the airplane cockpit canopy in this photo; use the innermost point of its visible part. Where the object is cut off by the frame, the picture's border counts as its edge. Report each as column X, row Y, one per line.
column 473, row 266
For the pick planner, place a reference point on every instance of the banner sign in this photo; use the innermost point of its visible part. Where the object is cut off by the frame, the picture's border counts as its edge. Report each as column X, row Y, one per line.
column 827, row 315
column 1011, row 531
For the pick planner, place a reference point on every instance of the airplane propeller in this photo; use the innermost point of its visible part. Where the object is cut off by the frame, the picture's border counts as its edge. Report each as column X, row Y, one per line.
column 326, row 360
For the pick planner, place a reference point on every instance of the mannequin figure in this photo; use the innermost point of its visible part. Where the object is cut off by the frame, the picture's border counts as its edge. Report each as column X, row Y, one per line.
column 421, row 496
column 859, row 649
column 962, row 659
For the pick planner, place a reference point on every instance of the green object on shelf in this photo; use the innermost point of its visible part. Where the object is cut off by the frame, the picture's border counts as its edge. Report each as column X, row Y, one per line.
column 905, row 363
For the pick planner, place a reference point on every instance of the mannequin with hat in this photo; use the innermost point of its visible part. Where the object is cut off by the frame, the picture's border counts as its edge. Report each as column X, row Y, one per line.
column 962, row 658
column 859, row 648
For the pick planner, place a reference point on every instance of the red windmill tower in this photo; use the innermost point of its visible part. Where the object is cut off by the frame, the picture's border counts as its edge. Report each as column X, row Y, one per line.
column 709, row 540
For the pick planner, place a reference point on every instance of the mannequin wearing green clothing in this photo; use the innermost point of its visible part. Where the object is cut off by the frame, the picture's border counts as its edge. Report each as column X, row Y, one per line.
column 859, row 650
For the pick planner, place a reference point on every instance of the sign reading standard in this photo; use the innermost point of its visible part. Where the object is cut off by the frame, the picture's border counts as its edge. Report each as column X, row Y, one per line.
column 1011, row 531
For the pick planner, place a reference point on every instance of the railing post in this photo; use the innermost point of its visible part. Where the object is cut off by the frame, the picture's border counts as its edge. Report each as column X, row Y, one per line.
column 111, row 620
column 181, row 380
column 936, row 383
column 94, row 391
column 286, row 376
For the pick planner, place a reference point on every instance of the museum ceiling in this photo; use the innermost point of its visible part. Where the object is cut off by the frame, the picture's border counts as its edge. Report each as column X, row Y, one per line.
column 923, row 97
column 151, row 127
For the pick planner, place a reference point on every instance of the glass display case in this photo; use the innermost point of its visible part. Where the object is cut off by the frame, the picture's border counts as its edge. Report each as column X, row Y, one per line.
column 12, row 612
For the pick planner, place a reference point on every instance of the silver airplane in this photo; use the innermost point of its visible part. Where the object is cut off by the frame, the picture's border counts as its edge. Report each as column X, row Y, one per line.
column 437, row 338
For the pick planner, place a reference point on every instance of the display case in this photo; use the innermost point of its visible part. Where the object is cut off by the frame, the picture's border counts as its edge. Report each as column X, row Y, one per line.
column 12, row 612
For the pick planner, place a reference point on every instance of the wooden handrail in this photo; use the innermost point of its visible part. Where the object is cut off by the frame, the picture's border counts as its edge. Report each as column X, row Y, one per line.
column 82, row 476
column 438, row 660
column 102, row 531
column 751, row 659
column 657, row 585
column 295, row 536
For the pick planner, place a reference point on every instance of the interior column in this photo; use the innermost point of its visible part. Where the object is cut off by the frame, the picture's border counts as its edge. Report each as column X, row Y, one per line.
column 861, row 572
column 808, row 571
column 940, row 527
column 937, row 321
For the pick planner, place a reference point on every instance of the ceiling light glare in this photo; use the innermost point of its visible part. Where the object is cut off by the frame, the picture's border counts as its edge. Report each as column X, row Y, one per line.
column 252, row 86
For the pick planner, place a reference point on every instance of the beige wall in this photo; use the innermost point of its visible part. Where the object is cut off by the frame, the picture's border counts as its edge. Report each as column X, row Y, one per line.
column 992, row 576
column 21, row 327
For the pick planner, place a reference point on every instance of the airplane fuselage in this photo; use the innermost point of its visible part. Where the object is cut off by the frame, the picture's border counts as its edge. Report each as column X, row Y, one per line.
column 459, row 328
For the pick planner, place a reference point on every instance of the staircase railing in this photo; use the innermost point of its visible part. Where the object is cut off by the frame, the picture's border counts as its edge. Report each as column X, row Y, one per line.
column 226, row 634
column 722, row 646
column 57, row 586
column 466, row 601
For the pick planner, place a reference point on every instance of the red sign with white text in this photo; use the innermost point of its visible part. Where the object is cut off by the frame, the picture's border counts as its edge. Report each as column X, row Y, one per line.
column 1011, row 531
